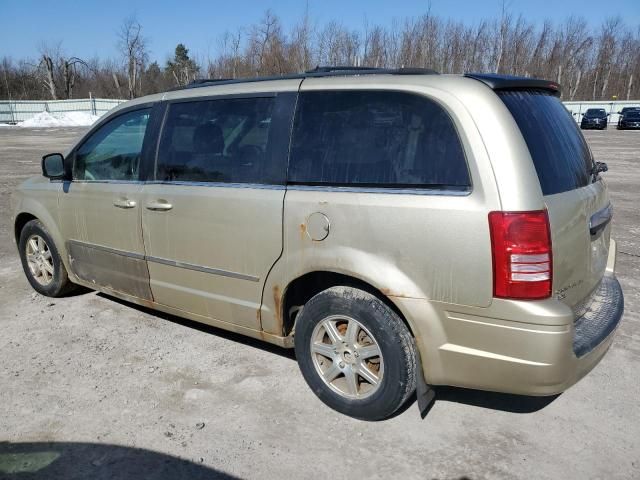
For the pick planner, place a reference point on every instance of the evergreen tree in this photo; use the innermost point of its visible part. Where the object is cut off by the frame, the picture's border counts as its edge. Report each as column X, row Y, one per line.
column 182, row 68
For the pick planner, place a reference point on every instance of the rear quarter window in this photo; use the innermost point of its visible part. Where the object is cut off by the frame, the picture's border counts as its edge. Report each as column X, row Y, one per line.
column 560, row 153
column 375, row 139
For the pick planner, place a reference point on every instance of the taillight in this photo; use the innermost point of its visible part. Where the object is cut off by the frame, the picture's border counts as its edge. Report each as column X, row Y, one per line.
column 521, row 249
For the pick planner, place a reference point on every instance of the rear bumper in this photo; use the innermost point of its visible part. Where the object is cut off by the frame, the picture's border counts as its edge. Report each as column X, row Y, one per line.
column 530, row 348
column 600, row 318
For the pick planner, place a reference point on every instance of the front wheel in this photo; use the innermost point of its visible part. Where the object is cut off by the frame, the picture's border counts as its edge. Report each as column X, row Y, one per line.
column 41, row 261
column 355, row 353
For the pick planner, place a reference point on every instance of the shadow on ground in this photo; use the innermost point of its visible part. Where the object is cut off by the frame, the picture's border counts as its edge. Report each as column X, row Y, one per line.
column 492, row 400
column 203, row 327
column 70, row 461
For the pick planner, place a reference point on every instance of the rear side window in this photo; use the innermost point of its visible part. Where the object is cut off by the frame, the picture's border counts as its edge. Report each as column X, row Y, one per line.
column 559, row 151
column 223, row 140
column 375, row 139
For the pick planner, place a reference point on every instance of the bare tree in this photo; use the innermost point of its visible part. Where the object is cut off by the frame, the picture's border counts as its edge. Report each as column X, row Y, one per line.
column 300, row 48
column 502, row 30
column 133, row 47
column 49, row 58
column 590, row 63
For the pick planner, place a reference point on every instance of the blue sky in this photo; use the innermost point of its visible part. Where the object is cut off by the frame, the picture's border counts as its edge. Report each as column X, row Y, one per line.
column 88, row 28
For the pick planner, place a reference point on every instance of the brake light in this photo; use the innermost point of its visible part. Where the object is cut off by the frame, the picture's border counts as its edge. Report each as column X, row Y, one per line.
column 521, row 250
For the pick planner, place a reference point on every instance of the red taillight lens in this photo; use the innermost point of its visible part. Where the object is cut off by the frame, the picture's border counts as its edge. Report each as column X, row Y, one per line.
column 521, row 249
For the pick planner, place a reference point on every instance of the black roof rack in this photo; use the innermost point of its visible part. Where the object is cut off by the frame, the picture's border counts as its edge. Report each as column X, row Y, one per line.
column 509, row 82
column 319, row 71
column 343, row 68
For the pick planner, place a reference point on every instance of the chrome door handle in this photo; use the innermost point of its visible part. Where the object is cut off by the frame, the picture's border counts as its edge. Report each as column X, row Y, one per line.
column 124, row 203
column 159, row 206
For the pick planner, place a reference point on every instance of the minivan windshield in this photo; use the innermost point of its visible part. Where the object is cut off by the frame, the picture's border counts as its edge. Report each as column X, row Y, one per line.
column 632, row 115
column 560, row 153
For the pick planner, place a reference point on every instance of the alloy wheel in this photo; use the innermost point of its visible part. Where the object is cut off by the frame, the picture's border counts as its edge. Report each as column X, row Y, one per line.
column 39, row 260
column 347, row 357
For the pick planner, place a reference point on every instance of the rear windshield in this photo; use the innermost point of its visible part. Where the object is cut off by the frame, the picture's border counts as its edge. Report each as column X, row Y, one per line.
column 559, row 151
column 595, row 112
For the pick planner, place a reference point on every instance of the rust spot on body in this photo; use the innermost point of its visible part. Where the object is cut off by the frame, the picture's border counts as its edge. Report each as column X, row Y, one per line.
column 277, row 302
column 303, row 230
column 387, row 292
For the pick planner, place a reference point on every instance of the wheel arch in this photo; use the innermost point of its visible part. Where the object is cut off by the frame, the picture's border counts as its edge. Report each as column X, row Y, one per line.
column 21, row 220
column 33, row 210
column 302, row 288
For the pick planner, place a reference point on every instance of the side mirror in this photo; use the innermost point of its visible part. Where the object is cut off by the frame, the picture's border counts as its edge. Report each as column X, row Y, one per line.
column 599, row 167
column 53, row 166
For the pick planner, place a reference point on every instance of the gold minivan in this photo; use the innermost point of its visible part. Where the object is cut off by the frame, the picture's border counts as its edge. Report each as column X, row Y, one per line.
column 398, row 228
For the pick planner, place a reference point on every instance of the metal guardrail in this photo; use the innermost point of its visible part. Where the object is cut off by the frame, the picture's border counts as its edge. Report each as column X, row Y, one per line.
column 13, row 111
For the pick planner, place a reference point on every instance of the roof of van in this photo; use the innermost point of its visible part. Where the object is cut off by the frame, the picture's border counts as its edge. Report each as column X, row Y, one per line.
column 208, row 87
column 493, row 81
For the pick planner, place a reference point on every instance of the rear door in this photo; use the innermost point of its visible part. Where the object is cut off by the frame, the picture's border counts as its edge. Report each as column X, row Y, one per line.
column 577, row 201
column 212, row 218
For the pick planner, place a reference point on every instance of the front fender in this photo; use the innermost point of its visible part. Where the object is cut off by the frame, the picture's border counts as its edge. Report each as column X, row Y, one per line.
column 39, row 198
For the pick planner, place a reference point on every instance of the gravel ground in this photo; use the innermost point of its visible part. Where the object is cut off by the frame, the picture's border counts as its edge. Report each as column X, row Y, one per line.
column 91, row 387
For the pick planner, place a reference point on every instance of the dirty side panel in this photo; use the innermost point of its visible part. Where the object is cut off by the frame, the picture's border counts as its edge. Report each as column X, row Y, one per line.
column 432, row 245
column 110, row 270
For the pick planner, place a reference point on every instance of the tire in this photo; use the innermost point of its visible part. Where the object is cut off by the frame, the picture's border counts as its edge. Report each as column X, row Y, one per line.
column 362, row 322
column 52, row 280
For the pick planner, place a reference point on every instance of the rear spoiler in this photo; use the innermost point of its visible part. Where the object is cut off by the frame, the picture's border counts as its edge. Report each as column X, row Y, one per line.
column 508, row 82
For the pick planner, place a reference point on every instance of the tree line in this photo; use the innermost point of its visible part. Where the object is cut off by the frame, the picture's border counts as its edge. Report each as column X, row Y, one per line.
column 591, row 63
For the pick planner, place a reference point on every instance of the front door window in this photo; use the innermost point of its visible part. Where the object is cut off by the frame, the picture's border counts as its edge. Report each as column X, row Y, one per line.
column 113, row 151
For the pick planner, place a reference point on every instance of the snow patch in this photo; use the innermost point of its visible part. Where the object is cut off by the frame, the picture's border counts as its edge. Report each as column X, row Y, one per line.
column 65, row 119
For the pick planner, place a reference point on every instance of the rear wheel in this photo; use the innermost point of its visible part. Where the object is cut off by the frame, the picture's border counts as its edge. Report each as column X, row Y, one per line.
column 41, row 261
column 355, row 353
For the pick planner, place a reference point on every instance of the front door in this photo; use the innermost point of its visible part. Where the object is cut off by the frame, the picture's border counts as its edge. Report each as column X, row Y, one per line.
column 100, row 207
column 212, row 220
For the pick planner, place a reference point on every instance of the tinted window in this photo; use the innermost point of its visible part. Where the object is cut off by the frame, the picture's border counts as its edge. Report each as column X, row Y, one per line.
column 113, row 151
column 559, row 151
column 217, row 141
column 632, row 115
column 595, row 112
column 375, row 138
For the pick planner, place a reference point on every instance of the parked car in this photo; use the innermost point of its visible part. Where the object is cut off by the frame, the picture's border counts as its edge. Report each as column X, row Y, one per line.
column 630, row 120
column 398, row 228
column 622, row 112
column 594, row 118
